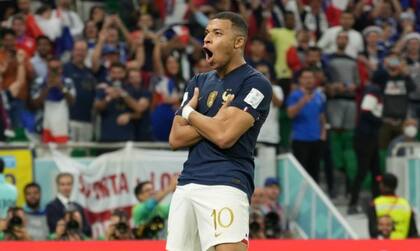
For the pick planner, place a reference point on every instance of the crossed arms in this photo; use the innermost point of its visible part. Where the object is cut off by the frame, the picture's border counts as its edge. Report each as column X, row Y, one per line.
column 224, row 129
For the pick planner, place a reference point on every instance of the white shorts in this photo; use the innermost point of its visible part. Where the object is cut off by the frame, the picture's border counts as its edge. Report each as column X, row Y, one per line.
column 201, row 217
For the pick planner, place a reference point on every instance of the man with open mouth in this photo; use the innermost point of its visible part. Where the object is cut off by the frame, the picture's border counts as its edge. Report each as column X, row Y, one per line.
column 219, row 120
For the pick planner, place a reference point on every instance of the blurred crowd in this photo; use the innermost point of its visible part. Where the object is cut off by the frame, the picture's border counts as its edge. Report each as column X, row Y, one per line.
column 345, row 75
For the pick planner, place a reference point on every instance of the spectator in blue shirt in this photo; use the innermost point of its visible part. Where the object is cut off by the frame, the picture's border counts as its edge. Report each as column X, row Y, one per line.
column 81, row 128
column 306, row 109
column 116, row 106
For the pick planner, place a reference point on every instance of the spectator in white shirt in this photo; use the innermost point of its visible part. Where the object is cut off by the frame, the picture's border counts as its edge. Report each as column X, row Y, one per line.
column 68, row 17
column 328, row 40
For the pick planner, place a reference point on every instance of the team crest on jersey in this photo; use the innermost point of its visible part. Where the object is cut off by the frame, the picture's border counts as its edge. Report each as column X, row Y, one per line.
column 211, row 98
column 226, row 94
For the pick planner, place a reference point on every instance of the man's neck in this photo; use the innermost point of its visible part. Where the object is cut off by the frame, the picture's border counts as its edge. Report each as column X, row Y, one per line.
column 341, row 52
column 230, row 66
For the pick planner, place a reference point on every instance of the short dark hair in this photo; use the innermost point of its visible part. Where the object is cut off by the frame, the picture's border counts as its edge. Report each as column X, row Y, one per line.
column 43, row 37
column 2, row 165
column 139, row 188
column 6, row 32
column 303, row 70
column 20, row 17
column 60, row 175
column 118, row 65
column 314, row 49
column 32, row 184
column 390, row 181
column 237, row 21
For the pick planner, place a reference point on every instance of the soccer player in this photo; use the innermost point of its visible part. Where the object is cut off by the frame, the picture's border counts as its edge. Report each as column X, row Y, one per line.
column 219, row 120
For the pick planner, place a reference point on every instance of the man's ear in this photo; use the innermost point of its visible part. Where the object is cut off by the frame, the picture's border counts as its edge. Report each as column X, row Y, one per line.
column 239, row 42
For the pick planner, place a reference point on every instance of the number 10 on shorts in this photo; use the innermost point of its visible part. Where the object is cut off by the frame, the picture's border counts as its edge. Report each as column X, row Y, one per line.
column 222, row 218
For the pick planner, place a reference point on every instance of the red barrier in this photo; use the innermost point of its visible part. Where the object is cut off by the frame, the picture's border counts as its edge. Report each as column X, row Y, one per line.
column 280, row 245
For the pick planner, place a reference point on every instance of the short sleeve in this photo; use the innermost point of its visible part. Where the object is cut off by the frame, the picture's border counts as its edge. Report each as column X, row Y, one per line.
column 254, row 97
column 187, row 95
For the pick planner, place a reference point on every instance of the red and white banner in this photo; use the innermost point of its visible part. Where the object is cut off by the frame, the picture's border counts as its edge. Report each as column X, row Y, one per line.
column 108, row 182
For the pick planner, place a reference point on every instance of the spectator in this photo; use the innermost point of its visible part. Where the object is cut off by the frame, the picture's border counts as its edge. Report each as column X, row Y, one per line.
column 15, row 70
column 257, row 211
column 8, row 194
column 81, row 125
column 35, row 214
column 43, row 53
column 269, row 136
column 141, row 101
column 374, row 53
column 53, row 95
column 355, row 42
column 258, row 55
column 409, row 135
column 272, row 191
column 396, row 85
column 389, row 204
column 165, row 98
column 366, row 144
column 296, row 55
column 97, row 15
column 306, row 109
column 114, row 103
column 148, row 210
column 313, row 17
column 119, row 228
column 341, row 106
column 283, row 39
column 68, row 17
column 57, row 209
column 385, row 227
column 16, row 226
column 90, row 35
column 387, row 12
column 23, row 41
column 411, row 55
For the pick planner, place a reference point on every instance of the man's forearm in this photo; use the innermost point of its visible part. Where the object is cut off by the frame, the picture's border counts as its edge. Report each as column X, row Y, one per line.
column 210, row 128
column 182, row 134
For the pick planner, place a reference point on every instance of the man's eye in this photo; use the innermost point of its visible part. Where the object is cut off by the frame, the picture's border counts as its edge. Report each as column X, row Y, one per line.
column 218, row 33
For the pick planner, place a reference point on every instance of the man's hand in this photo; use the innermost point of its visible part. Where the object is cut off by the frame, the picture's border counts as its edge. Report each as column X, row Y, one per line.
column 20, row 56
column 173, row 183
column 223, row 115
column 123, row 119
column 194, row 100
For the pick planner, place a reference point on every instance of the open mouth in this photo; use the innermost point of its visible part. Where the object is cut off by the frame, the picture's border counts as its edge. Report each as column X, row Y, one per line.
column 208, row 53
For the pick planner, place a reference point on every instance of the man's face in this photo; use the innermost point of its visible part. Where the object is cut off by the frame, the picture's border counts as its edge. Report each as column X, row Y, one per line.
column 273, row 192
column 91, row 31
column 342, row 41
column 257, row 48
column 19, row 27
column 134, row 77
column 65, row 185
column 258, row 197
column 307, row 80
column 289, row 21
column 172, row 66
column 219, row 42
column 145, row 20
column 32, row 197
column 313, row 57
column 117, row 73
column 24, row 5
column 413, row 45
column 112, row 36
column 43, row 47
column 346, row 21
column 372, row 38
column 54, row 68
column 9, row 42
column 385, row 225
column 79, row 52
column 147, row 192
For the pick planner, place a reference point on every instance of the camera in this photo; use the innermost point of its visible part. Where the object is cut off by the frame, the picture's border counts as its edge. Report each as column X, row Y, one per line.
column 150, row 230
column 255, row 224
column 15, row 222
column 272, row 225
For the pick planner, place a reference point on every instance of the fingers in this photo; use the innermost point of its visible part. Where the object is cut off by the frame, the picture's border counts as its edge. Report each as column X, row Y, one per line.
column 196, row 92
column 229, row 99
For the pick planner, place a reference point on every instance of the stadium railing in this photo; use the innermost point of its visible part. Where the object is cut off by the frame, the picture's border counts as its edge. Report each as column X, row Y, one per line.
column 308, row 208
